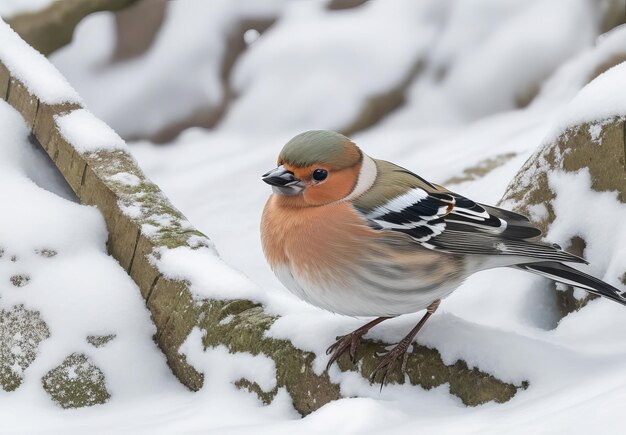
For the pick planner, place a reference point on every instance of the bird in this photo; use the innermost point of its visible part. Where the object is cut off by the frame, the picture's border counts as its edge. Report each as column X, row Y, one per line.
column 360, row 236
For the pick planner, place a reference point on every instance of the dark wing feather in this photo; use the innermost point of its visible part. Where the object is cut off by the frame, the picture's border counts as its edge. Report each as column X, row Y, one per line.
column 486, row 244
column 416, row 212
column 424, row 214
column 517, row 225
column 449, row 222
column 568, row 275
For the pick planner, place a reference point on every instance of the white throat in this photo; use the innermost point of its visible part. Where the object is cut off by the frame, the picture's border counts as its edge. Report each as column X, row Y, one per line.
column 367, row 175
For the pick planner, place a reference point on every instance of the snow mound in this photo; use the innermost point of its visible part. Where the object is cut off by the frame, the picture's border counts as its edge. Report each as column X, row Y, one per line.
column 39, row 76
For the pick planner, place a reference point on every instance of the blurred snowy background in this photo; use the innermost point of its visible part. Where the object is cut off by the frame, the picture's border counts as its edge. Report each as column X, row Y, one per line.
column 437, row 86
column 462, row 92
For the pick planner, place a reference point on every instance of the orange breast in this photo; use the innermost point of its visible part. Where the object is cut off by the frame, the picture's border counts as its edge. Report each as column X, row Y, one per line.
column 318, row 242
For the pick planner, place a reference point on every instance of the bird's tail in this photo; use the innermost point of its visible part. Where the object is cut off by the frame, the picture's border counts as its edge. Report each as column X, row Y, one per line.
column 568, row 275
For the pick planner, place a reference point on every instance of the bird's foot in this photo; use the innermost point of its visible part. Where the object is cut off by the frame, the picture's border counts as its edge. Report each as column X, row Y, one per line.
column 390, row 362
column 391, row 358
column 348, row 342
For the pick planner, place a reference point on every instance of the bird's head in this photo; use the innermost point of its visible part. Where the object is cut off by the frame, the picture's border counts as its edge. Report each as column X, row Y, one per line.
column 316, row 167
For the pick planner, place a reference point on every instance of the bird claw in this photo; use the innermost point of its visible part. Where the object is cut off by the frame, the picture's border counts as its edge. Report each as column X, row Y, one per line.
column 344, row 343
column 389, row 363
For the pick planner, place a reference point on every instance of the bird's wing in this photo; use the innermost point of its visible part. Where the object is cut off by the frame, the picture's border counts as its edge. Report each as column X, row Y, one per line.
column 446, row 221
column 517, row 225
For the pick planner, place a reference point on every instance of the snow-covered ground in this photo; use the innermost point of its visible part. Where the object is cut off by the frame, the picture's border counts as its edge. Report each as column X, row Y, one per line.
column 483, row 59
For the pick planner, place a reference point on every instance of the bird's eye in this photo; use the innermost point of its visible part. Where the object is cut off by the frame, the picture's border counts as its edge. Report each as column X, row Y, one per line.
column 320, row 174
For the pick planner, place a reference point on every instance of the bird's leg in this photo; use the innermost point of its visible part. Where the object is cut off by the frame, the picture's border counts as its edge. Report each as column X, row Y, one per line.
column 350, row 341
column 392, row 357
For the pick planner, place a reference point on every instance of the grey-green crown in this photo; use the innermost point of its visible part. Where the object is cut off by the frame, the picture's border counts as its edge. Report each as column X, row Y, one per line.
column 320, row 146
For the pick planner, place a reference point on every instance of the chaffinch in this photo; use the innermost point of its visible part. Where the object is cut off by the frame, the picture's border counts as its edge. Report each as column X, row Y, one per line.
column 364, row 237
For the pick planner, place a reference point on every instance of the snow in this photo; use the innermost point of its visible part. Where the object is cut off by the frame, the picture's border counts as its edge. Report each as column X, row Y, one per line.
column 303, row 35
column 602, row 251
column 126, row 179
column 88, row 134
column 38, row 75
column 602, row 98
column 210, row 277
column 537, row 212
column 457, row 87
column 133, row 211
column 315, row 69
column 576, row 72
column 157, row 95
column 251, row 35
column 595, row 130
column 79, row 291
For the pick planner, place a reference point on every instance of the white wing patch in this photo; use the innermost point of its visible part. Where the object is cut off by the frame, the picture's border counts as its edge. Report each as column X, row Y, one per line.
column 399, row 203
column 415, row 212
column 424, row 216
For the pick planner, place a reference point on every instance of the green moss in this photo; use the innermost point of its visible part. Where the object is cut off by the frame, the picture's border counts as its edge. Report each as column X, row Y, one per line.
column 425, row 367
column 241, row 326
column 171, row 228
column 77, row 382
column 19, row 280
column 266, row 397
column 100, row 340
column 21, row 332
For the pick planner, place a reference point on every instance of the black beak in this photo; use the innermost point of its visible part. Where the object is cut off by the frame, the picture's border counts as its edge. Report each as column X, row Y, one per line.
column 283, row 181
column 279, row 177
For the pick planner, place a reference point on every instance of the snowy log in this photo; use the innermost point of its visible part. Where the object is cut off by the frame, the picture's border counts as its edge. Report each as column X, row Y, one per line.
column 145, row 228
